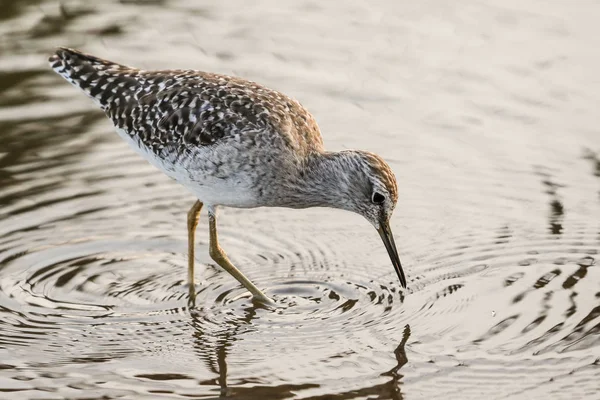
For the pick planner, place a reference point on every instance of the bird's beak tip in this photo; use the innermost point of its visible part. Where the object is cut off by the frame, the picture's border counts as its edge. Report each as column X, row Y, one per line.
column 388, row 240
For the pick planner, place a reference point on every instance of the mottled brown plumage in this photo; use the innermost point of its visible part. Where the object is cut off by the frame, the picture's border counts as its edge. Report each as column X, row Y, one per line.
column 185, row 107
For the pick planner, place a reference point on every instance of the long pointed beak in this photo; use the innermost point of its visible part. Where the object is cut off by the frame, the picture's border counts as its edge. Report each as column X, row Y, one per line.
column 388, row 240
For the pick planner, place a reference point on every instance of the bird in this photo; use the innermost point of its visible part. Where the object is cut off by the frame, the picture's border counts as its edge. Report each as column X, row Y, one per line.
column 233, row 143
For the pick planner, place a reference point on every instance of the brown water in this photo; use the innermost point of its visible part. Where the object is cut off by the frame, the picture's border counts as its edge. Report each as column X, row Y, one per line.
column 486, row 110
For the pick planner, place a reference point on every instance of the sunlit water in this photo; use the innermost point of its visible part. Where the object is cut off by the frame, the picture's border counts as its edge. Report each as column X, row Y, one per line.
column 487, row 111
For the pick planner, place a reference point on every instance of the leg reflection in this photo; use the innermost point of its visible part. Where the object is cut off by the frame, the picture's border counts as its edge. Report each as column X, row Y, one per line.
column 213, row 346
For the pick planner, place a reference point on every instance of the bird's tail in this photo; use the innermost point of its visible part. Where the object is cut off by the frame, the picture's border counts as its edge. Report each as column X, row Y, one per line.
column 102, row 80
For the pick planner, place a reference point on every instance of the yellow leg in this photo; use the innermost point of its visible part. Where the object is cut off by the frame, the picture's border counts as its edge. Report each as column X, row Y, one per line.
column 217, row 254
column 192, row 222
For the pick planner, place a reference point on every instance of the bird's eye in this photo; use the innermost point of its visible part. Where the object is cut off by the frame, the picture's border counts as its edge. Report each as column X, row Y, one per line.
column 378, row 198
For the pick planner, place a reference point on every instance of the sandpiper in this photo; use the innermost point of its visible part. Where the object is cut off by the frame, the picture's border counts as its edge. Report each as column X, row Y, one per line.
column 233, row 143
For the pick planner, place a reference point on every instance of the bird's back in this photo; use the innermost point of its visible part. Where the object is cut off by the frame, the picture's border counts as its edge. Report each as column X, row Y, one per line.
column 172, row 111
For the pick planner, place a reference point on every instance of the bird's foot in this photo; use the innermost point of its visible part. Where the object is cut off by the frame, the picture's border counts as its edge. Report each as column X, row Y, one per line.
column 262, row 300
column 192, row 297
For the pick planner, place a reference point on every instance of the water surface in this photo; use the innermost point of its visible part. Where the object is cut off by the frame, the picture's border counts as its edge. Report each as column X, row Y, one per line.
column 487, row 112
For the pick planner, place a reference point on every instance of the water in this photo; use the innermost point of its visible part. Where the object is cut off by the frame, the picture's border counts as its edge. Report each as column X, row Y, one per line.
column 487, row 112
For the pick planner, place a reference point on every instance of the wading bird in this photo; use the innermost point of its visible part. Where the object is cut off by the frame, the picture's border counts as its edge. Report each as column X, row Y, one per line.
column 233, row 143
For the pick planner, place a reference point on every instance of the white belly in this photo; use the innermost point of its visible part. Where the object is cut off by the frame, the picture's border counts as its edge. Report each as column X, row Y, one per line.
column 223, row 192
column 235, row 192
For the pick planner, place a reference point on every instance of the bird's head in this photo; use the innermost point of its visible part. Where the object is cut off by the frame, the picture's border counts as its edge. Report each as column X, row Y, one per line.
column 371, row 191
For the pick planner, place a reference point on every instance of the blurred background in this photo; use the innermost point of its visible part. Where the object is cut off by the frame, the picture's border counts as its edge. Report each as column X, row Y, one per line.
column 487, row 111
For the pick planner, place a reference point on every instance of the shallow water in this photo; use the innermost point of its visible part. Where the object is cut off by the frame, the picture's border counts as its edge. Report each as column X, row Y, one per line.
column 487, row 112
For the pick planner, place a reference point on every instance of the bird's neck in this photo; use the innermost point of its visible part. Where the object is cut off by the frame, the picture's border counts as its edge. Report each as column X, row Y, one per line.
column 323, row 180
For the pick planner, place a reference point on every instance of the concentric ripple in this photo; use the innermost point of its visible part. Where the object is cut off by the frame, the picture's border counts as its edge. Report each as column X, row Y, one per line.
column 82, row 299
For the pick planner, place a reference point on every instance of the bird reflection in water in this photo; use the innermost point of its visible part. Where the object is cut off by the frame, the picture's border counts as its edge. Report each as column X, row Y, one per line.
column 215, row 357
column 387, row 390
column 402, row 359
column 213, row 348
